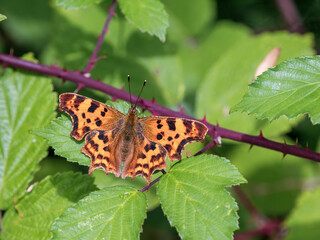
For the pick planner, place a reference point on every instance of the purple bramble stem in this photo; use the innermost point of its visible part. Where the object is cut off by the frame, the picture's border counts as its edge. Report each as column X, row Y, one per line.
column 214, row 130
column 93, row 59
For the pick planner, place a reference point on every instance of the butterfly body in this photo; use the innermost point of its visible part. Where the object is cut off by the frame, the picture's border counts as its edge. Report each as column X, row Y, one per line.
column 114, row 139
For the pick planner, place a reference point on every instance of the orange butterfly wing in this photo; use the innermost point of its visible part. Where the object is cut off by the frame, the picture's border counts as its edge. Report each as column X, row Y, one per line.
column 149, row 157
column 88, row 114
column 98, row 147
column 172, row 133
column 101, row 121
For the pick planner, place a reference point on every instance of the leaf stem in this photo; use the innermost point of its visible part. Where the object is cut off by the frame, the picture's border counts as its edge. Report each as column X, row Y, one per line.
column 255, row 214
column 153, row 182
column 291, row 15
column 214, row 130
column 270, row 228
column 93, row 59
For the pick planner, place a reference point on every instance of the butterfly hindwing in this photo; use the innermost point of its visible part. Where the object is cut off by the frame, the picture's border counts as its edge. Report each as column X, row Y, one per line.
column 88, row 114
column 99, row 146
column 150, row 157
column 172, row 133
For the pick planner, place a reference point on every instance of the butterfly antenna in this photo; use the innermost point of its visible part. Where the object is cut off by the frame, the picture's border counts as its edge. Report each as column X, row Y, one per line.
column 144, row 83
column 129, row 89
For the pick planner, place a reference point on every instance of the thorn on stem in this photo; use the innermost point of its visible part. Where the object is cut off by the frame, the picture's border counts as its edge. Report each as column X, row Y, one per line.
column 80, row 86
column 261, row 135
column 153, row 100
column 181, row 109
column 307, row 147
column 204, row 119
column 251, row 146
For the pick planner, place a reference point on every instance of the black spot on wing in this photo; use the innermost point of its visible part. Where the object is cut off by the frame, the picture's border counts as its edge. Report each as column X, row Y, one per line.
column 79, row 99
column 142, row 155
column 168, row 147
column 151, row 146
column 92, row 107
column 159, row 136
column 106, row 149
column 171, row 124
column 103, row 137
column 75, row 122
column 83, row 115
column 98, row 123
column 188, row 125
column 181, row 145
column 86, row 129
column 103, row 165
column 88, row 120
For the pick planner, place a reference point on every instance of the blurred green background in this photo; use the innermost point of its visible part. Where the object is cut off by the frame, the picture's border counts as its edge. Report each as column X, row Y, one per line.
column 205, row 65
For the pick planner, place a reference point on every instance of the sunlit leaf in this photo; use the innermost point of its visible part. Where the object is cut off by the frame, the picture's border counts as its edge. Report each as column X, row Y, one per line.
column 194, row 198
column 290, row 89
column 148, row 15
column 26, row 102
column 34, row 213
column 110, row 213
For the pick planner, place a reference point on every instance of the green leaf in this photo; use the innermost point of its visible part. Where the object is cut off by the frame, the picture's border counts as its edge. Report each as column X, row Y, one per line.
column 165, row 67
column 290, row 89
column 194, row 198
column 111, row 213
column 2, row 17
column 26, row 102
column 303, row 223
column 75, row 4
column 148, row 15
column 34, row 213
column 29, row 26
column 227, row 80
column 182, row 16
column 197, row 59
column 58, row 135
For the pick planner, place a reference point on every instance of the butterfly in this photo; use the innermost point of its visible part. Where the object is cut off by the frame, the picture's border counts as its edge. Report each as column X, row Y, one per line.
column 114, row 139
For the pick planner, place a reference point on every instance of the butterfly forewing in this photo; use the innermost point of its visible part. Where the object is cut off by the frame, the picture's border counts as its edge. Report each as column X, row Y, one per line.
column 172, row 133
column 88, row 114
